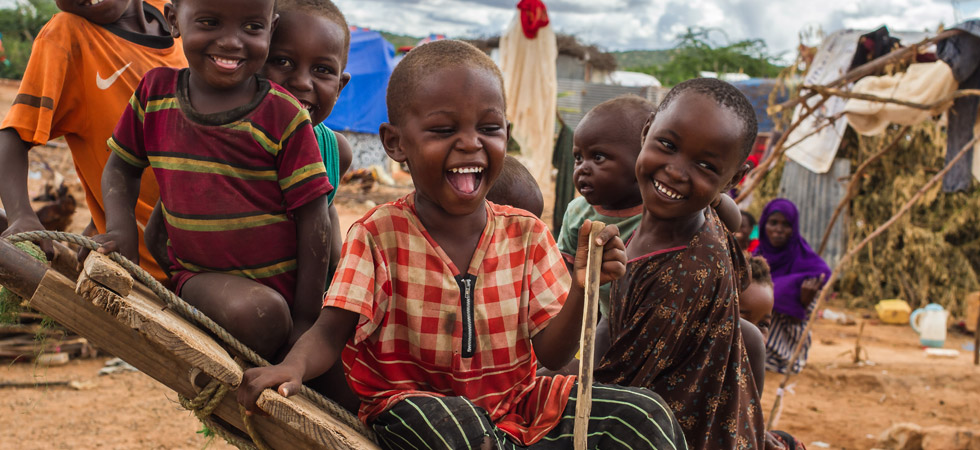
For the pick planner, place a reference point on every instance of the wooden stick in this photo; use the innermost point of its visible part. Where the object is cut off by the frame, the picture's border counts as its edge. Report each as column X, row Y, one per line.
column 831, row 92
column 590, row 315
column 870, row 67
column 754, row 178
column 857, row 344
column 825, row 292
column 853, row 184
column 976, row 341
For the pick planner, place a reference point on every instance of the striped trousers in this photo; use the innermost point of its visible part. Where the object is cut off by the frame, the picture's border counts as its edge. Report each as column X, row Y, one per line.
column 621, row 418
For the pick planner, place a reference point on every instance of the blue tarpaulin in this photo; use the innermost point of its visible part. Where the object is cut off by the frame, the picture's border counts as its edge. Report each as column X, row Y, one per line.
column 361, row 106
column 757, row 90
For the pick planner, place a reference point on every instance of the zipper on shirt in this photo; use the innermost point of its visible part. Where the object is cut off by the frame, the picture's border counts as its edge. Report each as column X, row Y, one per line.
column 466, row 283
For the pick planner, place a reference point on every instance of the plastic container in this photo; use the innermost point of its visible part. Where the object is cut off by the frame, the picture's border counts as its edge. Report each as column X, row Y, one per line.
column 893, row 311
column 930, row 323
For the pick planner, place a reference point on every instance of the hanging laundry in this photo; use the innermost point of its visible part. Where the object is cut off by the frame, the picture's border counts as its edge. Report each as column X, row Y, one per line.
column 922, row 83
column 962, row 53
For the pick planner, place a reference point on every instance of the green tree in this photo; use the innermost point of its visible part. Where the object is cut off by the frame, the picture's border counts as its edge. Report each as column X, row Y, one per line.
column 19, row 25
column 695, row 52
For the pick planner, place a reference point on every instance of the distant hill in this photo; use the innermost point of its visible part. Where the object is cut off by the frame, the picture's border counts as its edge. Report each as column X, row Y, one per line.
column 641, row 59
column 399, row 40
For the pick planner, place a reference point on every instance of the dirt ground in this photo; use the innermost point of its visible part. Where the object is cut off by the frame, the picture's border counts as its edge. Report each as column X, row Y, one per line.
column 835, row 403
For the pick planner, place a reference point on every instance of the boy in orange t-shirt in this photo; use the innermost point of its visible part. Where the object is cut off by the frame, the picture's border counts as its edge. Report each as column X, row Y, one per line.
column 84, row 66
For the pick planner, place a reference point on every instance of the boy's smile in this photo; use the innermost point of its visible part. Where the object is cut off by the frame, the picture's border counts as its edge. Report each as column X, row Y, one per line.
column 605, row 161
column 691, row 153
column 454, row 137
column 307, row 58
column 225, row 41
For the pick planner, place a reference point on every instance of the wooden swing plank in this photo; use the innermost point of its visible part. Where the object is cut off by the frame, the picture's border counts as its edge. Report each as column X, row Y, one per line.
column 55, row 296
column 157, row 324
column 303, row 416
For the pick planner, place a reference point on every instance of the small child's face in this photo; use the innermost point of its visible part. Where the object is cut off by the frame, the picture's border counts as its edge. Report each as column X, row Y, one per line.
column 306, row 57
column 605, row 162
column 744, row 233
column 755, row 305
column 103, row 13
column 691, row 152
column 226, row 42
column 453, row 136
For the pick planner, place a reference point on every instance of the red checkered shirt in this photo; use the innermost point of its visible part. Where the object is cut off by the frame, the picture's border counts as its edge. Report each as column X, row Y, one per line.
column 420, row 334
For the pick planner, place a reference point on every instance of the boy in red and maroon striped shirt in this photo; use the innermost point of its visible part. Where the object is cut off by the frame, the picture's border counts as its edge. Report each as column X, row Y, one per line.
column 242, row 184
column 444, row 303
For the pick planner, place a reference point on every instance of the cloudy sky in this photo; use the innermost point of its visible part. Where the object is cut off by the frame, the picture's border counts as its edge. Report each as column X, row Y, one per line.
column 639, row 24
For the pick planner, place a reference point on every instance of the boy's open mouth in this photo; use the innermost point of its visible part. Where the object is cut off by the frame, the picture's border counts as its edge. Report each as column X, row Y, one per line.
column 226, row 63
column 90, row 2
column 308, row 106
column 667, row 192
column 465, row 179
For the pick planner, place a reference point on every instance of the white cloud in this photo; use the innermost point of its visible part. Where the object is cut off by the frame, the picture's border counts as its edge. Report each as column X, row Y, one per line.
column 639, row 24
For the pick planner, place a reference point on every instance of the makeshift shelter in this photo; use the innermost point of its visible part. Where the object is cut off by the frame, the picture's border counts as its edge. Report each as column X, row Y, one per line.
column 527, row 59
column 901, row 98
column 916, row 116
column 361, row 108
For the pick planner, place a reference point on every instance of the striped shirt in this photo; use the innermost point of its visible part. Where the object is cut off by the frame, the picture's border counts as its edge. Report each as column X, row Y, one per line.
column 427, row 329
column 230, row 181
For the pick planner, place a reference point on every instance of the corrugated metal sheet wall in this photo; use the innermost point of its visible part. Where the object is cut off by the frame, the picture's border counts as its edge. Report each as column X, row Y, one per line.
column 576, row 97
column 816, row 196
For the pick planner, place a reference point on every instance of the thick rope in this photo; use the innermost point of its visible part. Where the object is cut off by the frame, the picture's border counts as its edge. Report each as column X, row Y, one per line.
column 191, row 313
column 204, row 404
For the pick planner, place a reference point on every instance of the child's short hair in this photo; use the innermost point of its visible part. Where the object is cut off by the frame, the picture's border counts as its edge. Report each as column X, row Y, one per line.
column 727, row 96
column 760, row 271
column 323, row 8
column 517, row 187
column 632, row 110
column 426, row 59
column 749, row 217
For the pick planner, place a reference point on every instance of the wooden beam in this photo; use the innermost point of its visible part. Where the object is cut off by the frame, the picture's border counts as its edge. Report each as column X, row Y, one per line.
column 19, row 272
column 55, row 296
column 301, row 415
column 103, row 270
column 162, row 327
column 870, row 67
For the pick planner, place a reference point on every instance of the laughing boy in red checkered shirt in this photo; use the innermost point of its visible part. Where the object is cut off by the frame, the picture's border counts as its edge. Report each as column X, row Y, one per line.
column 443, row 302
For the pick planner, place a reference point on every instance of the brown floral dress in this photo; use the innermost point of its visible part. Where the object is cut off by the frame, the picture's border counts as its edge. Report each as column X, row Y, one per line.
column 675, row 330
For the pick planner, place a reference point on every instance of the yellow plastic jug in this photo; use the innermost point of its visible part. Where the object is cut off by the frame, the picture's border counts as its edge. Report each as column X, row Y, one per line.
column 893, row 311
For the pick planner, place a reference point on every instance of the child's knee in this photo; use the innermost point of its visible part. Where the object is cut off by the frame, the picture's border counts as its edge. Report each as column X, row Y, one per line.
column 260, row 311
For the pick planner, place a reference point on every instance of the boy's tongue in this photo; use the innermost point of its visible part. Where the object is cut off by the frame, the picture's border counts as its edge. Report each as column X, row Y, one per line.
column 463, row 182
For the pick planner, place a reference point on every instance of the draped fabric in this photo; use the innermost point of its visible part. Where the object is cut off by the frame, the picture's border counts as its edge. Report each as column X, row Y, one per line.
column 530, row 72
column 792, row 263
column 674, row 329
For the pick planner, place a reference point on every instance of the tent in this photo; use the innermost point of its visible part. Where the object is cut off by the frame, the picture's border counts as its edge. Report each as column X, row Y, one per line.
column 361, row 106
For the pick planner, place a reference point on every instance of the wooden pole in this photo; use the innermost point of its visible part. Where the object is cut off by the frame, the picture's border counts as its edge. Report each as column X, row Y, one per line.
column 870, row 67
column 755, row 176
column 19, row 272
column 853, row 184
column 976, row 342
column 825, row 292
column 590, row 315
column 831, row 92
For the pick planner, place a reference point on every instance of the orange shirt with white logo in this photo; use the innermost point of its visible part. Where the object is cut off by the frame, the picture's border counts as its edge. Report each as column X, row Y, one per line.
column 78, row 81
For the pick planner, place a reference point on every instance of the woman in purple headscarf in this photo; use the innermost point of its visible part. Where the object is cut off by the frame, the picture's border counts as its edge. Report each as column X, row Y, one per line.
column 797, row 275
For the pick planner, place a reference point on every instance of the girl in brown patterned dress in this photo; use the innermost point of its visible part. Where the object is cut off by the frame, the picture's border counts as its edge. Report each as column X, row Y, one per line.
column 674, row 324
